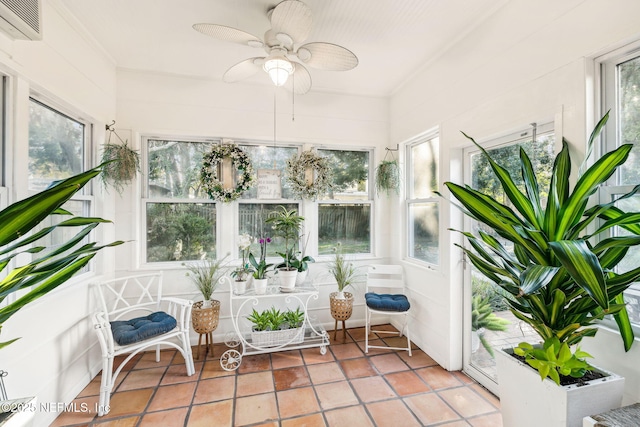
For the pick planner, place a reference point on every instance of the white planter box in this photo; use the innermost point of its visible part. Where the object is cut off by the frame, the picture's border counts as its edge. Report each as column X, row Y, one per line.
column 527, row 401
column 276, row 338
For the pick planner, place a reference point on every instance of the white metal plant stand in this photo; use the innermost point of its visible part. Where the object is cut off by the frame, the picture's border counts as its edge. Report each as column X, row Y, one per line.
column 240, row 306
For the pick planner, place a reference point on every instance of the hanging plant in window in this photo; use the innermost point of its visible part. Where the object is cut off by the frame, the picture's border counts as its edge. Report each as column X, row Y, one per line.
column 121, row 162
column 388, row 175
column 211, row 174
column 309, row 175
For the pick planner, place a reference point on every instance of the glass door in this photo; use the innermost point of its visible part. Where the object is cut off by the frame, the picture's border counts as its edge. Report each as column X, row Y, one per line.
column 489, row 324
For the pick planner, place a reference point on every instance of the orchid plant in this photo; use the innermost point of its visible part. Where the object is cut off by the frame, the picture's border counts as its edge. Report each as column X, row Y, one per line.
column 244, row 244
column 261, row 268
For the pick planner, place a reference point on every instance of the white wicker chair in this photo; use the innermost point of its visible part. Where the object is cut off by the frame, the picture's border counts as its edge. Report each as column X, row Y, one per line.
column 390, row 280
column 129, row 297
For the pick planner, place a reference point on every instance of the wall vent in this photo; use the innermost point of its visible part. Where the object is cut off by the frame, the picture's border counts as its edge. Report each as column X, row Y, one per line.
column 21, row 19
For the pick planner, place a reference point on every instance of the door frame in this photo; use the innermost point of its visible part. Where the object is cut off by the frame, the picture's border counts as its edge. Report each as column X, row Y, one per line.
column 509, row 139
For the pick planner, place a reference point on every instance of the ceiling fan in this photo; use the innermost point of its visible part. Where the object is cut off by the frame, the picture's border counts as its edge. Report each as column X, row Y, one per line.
column 290, row 26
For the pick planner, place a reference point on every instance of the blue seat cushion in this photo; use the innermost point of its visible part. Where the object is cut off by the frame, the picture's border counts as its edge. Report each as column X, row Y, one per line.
column 387, row 302
column 127, row 332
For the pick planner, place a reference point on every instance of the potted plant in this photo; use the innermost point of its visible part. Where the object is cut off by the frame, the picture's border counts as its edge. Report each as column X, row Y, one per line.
column 344, row 273
column 241, row 273
column 388, row 177
column 484, row 319
column 121, row 163
column 273, row 327
column 48, row 268
column 205, row 314
column 287, row 224
column 301, row 264
column 561, row 279
column 260, row 268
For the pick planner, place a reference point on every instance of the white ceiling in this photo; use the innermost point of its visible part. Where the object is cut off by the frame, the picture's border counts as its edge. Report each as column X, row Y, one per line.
column 391, row 38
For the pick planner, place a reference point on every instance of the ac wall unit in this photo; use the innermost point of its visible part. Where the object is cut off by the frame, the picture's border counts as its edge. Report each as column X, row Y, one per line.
column 21, row 19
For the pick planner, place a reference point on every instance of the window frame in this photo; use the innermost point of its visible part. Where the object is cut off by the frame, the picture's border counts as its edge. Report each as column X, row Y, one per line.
column 256, row 201
column 607, row 98
column 145, row 198
column 409, row 201
column 87, row 144
column 87, row 195
column 370, row 201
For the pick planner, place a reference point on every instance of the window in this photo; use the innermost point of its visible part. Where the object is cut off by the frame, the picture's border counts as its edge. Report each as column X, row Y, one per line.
column 252, row 214
column 344, row 215
column 59, row 147
column 269, row 157
column 423, row 204
column 180, row 218
column 252, row 220
column 620, row 83
column 56, row 146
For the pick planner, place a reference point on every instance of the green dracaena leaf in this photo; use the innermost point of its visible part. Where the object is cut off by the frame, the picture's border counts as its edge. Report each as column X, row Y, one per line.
column 584, row 268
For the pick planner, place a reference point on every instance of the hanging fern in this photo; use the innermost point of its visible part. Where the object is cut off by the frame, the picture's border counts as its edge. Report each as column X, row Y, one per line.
column 388, row 177
column 123, row 165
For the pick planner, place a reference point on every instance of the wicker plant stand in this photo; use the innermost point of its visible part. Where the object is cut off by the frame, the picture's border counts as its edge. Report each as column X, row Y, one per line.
column 205, row 321
column 341, row 310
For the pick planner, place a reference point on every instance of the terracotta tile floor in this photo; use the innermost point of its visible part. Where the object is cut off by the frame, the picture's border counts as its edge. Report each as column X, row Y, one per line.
column 296, row 388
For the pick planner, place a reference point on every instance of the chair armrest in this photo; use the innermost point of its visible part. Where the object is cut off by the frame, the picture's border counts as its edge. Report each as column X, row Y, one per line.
column 179, row 308
column 103, row 329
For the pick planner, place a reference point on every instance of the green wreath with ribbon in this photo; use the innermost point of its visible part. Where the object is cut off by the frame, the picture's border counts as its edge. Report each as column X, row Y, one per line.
column 209, row 172
column 323, row 180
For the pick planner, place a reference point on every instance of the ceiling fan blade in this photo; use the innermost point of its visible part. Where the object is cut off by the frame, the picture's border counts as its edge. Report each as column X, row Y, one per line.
column 300, row 79
column 229, row 34
column 292, row 17
column 327, row 56
column 242, row 70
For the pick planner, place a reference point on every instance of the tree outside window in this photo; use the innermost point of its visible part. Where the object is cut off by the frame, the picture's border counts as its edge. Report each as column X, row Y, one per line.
column 344, row 215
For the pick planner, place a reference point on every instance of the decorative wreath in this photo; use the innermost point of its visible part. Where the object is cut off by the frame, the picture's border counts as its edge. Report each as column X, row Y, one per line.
column 296, row 167
column 209, row 172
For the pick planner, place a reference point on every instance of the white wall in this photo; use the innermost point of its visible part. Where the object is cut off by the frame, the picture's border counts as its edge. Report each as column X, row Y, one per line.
column 53, row 357
column 530, row 62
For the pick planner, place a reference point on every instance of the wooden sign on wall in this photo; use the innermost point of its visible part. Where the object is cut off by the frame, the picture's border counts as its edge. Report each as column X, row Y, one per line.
column 269, row 184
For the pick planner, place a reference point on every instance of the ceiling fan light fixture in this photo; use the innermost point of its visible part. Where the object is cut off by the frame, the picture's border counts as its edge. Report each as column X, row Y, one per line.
column 279, row 69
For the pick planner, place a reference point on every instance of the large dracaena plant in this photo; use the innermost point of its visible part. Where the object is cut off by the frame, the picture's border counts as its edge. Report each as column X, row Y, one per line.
column 49, row 267
column 561, row 277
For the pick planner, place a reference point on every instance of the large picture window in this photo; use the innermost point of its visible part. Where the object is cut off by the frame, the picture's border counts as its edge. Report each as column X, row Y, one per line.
column 423, row 204
column 180, row 218
column 59, row 147
column 344, row 215
column 56, row 145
